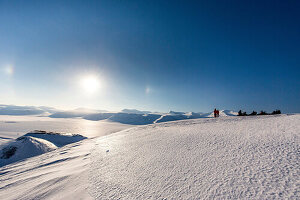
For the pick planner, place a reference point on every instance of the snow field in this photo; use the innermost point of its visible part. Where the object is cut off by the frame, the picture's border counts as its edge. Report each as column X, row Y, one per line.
column 233, row 157
column 228, row 157
column 59, row 174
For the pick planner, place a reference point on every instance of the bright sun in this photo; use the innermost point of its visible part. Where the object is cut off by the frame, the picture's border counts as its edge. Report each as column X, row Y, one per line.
column 90, row 84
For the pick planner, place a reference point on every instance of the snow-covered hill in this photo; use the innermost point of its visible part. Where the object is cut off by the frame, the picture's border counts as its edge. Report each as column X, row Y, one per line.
column 33, row 144
column 225, row 158
column 24, row 147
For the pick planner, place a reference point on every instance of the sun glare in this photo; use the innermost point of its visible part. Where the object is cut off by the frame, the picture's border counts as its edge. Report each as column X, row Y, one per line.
column 9, row 70
column 90, row 84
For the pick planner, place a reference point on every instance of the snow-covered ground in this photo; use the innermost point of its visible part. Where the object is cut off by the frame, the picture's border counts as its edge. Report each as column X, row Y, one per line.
column 59, row 174
column 35, row 143
column 228, row 157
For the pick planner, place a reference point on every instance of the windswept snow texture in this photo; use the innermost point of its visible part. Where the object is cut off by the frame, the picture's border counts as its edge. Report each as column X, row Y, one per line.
column 224, row 158
column 59, row 174
column 33, row 144
column 24, row 147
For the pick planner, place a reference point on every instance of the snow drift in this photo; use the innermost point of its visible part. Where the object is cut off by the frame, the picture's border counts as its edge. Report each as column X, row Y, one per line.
column 24, row 147
column 33, row 144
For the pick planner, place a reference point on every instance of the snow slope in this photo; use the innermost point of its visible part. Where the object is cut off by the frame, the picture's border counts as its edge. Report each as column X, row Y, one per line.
column 59, row 174
column 33, row 144
column 24, row 147
column 256, row 158
column 230, row 157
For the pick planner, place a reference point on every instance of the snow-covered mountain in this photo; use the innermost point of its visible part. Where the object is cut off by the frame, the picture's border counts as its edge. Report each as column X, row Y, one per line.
column 223, row 158
column 25, row 110
column 126, row 116
column 135, row 111
column 142, row 117
column 79, row 112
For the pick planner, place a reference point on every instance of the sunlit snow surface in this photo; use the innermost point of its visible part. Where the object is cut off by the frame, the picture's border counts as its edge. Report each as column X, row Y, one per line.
column 254, row 157
column 33, row 144
column 228, row 157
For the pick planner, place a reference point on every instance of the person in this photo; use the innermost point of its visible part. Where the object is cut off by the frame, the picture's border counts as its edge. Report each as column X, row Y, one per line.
column 215, row 112
column 218, row 113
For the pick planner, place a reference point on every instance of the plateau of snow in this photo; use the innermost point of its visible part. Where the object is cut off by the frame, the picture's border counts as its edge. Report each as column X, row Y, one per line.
column 208, row 158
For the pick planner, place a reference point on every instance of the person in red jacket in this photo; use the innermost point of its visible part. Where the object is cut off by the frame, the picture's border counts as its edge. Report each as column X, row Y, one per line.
column 215, row 112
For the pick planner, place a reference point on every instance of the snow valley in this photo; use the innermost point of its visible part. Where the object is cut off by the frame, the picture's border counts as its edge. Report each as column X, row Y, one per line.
column 201, row 157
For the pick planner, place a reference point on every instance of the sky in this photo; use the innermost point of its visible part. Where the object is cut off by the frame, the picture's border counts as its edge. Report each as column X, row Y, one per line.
column 151, row 55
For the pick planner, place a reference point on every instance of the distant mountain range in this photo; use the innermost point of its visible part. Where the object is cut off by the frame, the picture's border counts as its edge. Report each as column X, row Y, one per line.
column 126, row 116
column 136, row 117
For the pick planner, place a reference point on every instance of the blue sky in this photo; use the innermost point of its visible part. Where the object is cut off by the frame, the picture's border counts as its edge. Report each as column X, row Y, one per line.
column 151, row 55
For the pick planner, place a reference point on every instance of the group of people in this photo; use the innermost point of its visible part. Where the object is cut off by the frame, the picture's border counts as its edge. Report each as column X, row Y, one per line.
column 216, row 113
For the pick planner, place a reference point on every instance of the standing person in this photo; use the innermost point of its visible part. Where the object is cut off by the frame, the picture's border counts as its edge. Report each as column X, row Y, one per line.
column 218, row 113
column 215, row 112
